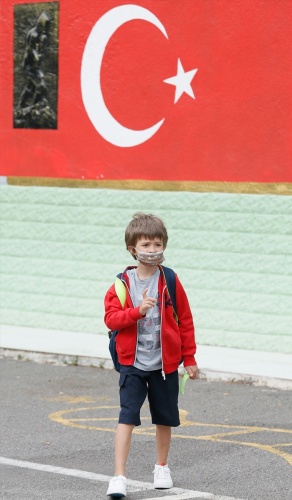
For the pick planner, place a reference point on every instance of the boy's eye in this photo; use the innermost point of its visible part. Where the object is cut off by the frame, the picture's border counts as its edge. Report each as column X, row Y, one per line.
column 147, row 245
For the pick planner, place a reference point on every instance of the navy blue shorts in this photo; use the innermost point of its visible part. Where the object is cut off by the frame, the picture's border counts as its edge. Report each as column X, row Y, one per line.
column 162, row 394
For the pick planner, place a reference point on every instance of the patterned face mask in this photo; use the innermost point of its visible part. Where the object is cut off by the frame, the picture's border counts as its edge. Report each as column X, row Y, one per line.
column 150, row 259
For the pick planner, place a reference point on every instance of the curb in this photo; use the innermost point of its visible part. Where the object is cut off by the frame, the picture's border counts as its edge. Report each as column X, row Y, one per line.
column 205, row 373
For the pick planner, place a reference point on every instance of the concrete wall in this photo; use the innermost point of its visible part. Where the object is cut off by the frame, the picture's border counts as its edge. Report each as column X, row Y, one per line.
column 61, row 249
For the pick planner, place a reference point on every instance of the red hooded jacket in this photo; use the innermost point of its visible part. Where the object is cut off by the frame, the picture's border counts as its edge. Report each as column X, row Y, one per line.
column 177, row 340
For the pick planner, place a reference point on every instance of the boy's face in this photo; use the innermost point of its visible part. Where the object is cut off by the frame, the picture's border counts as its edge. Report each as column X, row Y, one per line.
column 147, row 245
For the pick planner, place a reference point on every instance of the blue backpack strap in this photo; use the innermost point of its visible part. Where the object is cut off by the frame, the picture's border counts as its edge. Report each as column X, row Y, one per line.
column 170, row 279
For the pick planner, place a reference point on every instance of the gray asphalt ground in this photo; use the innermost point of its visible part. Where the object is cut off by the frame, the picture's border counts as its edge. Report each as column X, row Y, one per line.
column 57, row 438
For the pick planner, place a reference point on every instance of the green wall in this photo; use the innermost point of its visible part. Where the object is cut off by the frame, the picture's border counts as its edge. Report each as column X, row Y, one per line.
column 61, row 249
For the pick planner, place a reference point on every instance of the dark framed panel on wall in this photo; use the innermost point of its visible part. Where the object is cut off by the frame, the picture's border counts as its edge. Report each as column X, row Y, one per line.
column 35, row 89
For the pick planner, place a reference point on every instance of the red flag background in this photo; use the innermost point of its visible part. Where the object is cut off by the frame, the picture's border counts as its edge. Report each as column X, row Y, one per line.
column 237, row 129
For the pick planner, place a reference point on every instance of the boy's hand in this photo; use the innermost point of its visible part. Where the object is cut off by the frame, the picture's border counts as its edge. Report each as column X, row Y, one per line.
column 147, row 303
column 193, row 371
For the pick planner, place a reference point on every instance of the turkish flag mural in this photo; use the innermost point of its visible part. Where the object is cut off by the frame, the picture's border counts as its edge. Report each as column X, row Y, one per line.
column 170, row 90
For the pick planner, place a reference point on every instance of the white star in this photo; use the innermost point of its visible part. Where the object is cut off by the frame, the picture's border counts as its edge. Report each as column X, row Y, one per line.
column 182, row 81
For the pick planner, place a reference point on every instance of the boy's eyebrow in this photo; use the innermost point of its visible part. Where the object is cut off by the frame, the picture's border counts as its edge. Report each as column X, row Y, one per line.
column 147, row 240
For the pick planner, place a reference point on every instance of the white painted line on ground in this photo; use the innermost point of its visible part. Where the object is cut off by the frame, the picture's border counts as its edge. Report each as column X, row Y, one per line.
column 55, row 470
column 176, row 493
column 184, row 496
column 191, row 495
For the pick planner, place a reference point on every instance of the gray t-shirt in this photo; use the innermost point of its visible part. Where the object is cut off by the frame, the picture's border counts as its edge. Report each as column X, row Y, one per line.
column 148, row 352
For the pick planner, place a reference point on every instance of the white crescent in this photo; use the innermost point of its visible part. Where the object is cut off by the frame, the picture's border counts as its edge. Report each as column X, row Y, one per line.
column 105, row 124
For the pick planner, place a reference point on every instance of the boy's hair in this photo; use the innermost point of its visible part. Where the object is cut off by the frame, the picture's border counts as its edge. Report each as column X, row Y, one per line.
column 147, row 226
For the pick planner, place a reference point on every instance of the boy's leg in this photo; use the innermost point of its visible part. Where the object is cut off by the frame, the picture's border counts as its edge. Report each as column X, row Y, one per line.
column 163, row 400
column 133, row 391
column 163, row 437
column 122, row 446
column 118, row 485
column 162, row 475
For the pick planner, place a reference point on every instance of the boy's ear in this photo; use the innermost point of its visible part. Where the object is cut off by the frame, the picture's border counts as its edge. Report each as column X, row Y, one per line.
column 132, row 251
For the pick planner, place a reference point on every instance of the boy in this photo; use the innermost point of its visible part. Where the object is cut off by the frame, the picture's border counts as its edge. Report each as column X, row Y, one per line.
column 150, row 346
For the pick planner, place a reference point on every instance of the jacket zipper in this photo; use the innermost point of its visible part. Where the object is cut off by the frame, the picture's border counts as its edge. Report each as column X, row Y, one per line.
column 161, row 343
column 126, row 285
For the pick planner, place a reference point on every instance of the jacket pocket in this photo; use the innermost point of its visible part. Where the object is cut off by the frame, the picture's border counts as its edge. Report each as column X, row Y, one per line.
column 172, row 346
column 122, row 380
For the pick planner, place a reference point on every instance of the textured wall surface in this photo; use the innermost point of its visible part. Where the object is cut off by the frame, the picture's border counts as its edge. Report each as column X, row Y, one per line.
column 61, row 249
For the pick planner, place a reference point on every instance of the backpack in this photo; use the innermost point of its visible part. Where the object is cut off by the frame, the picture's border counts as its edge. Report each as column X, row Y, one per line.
column 121, row 293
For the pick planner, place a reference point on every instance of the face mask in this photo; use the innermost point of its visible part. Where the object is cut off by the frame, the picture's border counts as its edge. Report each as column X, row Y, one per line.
column 150, row 259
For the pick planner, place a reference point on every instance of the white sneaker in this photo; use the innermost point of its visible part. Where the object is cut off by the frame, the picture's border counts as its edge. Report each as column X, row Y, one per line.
column 117, row 487
column 162, row 477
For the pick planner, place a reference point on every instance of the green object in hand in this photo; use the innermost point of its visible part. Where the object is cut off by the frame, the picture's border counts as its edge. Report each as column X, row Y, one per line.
column 183, row 383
